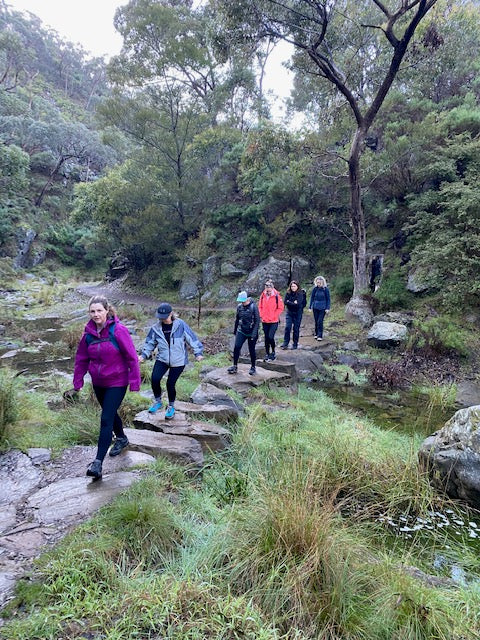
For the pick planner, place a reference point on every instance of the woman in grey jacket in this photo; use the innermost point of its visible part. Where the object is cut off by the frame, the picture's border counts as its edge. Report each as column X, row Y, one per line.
column 169, row 336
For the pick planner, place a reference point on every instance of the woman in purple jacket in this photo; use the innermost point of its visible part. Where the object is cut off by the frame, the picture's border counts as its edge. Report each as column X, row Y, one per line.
column 107, row 352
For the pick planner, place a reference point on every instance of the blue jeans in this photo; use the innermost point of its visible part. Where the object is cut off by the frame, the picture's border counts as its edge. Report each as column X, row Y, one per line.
column 110, row 399
column 239, row 340
column 292, row 320
column 319, row 315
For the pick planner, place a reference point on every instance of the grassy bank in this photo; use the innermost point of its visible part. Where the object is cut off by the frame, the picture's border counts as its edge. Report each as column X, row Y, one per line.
column 279, row 537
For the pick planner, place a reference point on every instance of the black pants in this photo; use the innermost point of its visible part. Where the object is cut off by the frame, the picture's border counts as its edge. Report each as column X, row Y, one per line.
column 239, row 341
column 292, row 320
column 270, row 329
column 159, row 370
column 110, row 399
column 319, row 315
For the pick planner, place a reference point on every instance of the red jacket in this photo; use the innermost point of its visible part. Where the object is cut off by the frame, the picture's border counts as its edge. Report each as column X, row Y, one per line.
column 107, row 365
column 270, row 307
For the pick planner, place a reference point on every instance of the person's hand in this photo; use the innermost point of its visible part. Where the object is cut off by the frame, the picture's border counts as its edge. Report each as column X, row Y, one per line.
column 70, row 395
column 141, row 359
column 198, row 358
column 327, row 310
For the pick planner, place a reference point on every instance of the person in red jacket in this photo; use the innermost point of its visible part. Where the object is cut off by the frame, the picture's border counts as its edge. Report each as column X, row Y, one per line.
column 107, row 352
column 270, row 307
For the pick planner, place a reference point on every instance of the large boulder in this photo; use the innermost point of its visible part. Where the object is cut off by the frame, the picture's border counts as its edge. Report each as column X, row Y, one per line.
column 272, row 268
column 452, row 456
column 386, row 335
column 188, row 288
column 300, row 270
column 242, row 382
column 359, row 310
column 403, row 317
column 210, row 271
column 209, row 394
column 229, row 270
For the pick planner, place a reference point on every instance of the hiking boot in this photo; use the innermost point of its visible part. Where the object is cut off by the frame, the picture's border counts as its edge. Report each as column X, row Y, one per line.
column 294, row 346
column 232, row 369
column 319, row 338
column 170, row 412
column 272, row 356
column 156, row 406
column 252, row 371
column 118, row 446
column 267, row 358
column 95, row 469
column 284, row 346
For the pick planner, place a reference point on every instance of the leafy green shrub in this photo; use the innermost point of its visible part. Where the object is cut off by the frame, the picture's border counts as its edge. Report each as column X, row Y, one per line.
column 392, row 293
column 8, row 403
column 342, row 287
column 438, row 336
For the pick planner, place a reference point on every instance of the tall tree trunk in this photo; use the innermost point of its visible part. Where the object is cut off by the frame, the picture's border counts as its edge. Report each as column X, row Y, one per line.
column 357, row 216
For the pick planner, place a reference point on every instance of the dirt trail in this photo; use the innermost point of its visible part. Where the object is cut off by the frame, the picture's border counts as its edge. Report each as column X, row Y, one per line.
column 116, row 294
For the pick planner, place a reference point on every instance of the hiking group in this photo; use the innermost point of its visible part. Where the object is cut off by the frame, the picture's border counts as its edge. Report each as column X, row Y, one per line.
column 269, row 309
column 106, row 351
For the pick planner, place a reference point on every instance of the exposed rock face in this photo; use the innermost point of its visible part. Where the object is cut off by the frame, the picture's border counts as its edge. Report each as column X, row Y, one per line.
column 118, row 267
column 468, row 394
column 386, row 335
column 300, row 271
column 25, row 242
column 415, row 283
column 277, row 270
column 452, row 456
column 210, row 271
column 188, row 289
column 229, row 270
column 359, row 310
column 402, row 317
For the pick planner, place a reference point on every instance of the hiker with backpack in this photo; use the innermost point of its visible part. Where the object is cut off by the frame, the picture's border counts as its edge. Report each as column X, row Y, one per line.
column 270, row 307
column 106, row 351
column 295, row 301
column 247, row 323
column 169, row 336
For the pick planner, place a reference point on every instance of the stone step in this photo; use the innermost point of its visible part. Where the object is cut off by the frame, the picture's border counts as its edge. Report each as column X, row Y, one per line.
column 242, row 381
column 181, row 449
column 212, row 437
column 220, row 412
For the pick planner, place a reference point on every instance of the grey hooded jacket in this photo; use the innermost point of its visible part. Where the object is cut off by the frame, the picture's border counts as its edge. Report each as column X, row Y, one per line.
column 174, row 354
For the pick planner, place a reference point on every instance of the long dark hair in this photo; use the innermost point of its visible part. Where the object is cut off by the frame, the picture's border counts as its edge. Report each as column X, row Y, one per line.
column 299, row 288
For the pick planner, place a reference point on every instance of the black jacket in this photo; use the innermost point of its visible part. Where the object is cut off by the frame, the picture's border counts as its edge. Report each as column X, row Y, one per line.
column 247, row 320
column 296, row 302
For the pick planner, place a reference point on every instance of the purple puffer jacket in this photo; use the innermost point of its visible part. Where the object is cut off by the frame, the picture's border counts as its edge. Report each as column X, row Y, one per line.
column 107, row 365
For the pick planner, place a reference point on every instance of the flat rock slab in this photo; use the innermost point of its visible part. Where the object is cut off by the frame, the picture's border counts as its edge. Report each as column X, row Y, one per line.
column 18, row 476
column 220, row 412
column 242, row 381
column 182, row 449
column 211, row 436
column 72, row 499
column 207, row 393
column 284, row 363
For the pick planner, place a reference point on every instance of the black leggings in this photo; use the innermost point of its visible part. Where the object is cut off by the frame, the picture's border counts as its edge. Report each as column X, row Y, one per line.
column 159, row 370
column 110, row 399
column 239, row 340
column 270, row 329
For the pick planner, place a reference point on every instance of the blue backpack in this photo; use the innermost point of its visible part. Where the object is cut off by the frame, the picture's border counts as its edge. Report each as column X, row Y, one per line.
column 90, row 339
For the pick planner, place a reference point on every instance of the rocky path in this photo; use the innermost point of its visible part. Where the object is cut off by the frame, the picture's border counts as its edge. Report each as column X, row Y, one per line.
column 43, row 498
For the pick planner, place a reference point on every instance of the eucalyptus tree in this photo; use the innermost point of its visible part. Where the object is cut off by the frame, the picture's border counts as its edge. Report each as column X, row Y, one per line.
column 357, row 48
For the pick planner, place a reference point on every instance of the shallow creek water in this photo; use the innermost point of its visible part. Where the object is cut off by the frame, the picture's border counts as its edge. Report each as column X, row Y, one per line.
column 439, row 532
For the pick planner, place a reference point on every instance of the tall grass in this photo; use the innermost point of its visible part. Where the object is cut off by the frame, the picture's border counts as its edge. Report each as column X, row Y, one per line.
column 8, row 404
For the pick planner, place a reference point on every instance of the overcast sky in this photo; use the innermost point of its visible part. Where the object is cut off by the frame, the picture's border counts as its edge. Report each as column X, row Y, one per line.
column 90, row 24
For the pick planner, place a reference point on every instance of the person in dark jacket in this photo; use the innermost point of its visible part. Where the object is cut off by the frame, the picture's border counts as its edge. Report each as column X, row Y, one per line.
column 106, row 351
column 295, row 301
column 247, row 323
column 320, row 304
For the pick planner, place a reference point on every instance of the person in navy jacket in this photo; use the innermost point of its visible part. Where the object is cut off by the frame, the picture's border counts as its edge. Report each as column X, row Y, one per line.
column 320, row 304
column 295, row 301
